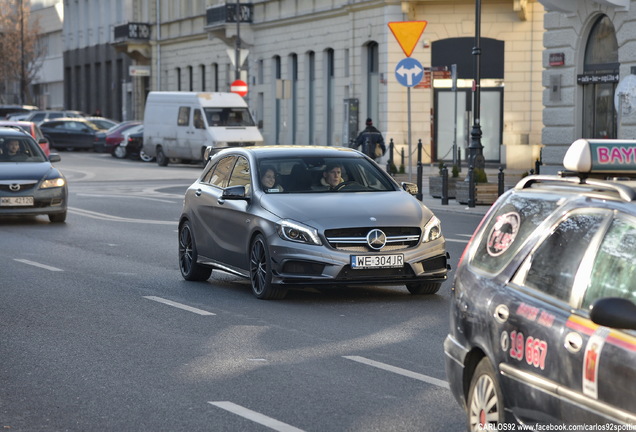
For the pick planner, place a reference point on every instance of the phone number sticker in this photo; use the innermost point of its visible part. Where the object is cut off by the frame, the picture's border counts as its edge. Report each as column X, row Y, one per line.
column 533, row 350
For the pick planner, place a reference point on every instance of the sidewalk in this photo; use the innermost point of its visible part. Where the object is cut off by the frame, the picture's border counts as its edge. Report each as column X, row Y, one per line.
column 510, row 179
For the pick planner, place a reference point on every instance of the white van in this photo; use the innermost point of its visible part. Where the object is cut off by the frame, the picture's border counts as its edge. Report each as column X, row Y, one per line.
column 180, row 125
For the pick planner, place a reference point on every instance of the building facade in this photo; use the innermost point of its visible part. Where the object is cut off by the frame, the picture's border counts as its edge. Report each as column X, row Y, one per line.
column 48, row 86
column 589, row 76
column 316, row 69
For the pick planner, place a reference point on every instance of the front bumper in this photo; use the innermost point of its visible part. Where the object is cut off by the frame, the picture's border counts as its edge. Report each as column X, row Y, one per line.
column 45, row 201
column 297, row 263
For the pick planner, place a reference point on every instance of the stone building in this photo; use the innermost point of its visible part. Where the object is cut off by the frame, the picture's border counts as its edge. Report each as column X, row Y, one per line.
column 48, row 85
column 316, row 69
column 590, row 62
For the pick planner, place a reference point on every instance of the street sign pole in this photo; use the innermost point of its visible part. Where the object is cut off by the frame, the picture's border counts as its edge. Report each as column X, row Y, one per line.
column 408, row 102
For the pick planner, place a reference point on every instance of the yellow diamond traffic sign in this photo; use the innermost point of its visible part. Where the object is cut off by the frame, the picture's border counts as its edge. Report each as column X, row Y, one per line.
column 407, row 34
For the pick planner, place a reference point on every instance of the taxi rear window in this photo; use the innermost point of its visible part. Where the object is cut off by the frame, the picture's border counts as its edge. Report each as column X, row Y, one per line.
column 513, row 221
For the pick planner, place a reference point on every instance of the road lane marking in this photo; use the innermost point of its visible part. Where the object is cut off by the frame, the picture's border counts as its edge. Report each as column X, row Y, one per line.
column 93, row 195
column 400, row 371
column 255, row 417
column 36, row 264
column 179, row 305
column 103, row 216
column 456, row 240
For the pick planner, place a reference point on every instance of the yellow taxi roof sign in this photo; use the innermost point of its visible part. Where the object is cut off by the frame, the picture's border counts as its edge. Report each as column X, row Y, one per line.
column 407, row 34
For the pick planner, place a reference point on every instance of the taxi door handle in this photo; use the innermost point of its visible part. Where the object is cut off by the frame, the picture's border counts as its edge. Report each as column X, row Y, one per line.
column 198, row 192
column 502, row 313
column 573, row 342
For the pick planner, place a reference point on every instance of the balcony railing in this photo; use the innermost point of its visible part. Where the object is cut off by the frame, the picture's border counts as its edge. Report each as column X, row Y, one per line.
column 132, row 31
column 227, row 13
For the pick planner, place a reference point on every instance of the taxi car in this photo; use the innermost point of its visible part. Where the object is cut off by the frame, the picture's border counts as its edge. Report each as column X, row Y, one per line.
column 299, row 232
column 29, row 184
column 543, row 321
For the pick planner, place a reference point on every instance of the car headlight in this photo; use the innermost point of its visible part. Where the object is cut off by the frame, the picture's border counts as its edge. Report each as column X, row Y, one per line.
column 298, row 232
column 51, row 183
column 432, row 230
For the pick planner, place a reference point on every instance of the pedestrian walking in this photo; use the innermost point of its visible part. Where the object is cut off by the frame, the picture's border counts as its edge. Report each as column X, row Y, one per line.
column 370, row 141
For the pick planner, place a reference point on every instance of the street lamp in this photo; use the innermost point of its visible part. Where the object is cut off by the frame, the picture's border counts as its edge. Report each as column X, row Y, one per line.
column 475, row 149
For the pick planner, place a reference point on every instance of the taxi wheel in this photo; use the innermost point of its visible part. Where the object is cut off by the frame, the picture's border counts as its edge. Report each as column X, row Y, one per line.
column 485, row 400
column 190, row 269
column 423, row 288
column 261, row 272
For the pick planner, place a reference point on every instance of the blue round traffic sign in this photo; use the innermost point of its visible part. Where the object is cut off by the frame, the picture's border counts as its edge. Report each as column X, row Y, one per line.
column 409, row 72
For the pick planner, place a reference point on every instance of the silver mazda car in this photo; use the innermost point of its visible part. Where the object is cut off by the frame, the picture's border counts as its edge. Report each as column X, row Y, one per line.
column 303, row 216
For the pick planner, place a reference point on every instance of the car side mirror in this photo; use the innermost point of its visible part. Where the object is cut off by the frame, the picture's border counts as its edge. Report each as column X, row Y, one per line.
column 43, row 141
column 410, row 188
column 614, row 312
column 234, row 193
column 54, row 157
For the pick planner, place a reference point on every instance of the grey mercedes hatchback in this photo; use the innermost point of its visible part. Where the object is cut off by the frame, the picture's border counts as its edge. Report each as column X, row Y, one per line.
column 302, row 216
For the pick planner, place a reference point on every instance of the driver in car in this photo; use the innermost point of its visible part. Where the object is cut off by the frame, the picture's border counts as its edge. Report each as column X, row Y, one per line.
column 332, row 177
column 12, row 151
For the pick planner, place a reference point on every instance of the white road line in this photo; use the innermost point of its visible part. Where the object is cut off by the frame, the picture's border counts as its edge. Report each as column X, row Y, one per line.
column 255, row 416
column 92, row 195
column 400, row 371
column 456, row 240
column 103, row 216
column 35, row 264
column 179, row 305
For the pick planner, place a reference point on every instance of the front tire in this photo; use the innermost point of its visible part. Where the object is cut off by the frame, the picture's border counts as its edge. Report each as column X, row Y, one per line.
column 144, row 157
column 261, row 272
column 485, row 401
column 119, row 152
column 162, row 160
column 423, row 288
column 57, row 217
column 190, row 269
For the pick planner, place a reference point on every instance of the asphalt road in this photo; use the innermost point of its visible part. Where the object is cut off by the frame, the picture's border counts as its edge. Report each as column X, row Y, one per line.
column 99, row 332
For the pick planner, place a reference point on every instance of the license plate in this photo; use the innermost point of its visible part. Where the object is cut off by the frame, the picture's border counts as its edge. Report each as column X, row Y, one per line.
column 16, row 201
column 376, row 261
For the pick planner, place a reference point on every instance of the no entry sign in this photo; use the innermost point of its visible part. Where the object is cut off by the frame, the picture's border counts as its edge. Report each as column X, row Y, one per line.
column 239, row 87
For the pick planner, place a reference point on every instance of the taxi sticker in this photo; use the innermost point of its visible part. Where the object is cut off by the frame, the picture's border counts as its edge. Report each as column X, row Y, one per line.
column 591, row 360
column 532, row 349
column 503, row 233
column 532, row 313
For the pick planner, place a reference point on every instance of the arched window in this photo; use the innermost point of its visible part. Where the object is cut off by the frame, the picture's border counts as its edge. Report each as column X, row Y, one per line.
column 599, row 80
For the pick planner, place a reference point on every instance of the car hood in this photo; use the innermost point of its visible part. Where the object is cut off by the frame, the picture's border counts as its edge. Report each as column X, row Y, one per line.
column 341, row 210
column 17, row 171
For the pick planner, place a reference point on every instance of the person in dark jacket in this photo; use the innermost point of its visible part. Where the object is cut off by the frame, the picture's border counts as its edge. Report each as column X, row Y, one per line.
column 370, row 141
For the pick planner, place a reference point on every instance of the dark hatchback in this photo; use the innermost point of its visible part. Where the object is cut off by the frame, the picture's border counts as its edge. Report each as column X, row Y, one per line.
column 29, row 184
column 543, row 314
column 72, row 133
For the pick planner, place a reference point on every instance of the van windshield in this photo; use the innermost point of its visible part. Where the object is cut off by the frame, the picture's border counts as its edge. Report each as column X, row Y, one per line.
column 229, row 117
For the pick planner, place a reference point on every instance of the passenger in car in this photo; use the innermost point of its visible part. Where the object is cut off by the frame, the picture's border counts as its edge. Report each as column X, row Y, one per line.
column 12, row 151
column 269, row 180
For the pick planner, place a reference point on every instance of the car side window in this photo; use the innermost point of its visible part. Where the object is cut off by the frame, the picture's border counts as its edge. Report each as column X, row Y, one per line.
column 614, row 268
column 509, row 227
column 199, row 123
column 220, row 173
column 184, row 116
column 240, row 174
column 553, row 265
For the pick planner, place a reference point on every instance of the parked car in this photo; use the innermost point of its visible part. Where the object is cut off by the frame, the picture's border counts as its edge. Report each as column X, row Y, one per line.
column 72, row 133
column 33, row 130
column 132, row 144
column 115, row 135
column 543, row 314
column 40, row 117
column 29, row 184
column 6, row 110
column 102, row 122
column 366, row 230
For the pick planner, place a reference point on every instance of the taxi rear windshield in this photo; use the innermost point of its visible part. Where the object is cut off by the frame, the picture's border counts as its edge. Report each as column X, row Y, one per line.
column 514, row 220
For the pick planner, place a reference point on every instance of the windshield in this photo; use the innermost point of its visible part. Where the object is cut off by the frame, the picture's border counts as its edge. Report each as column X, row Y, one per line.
column 20, row 149
column 228, row 117
column 322, row 175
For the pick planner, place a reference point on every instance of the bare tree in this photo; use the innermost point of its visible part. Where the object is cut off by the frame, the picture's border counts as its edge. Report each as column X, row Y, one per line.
column 22, row 52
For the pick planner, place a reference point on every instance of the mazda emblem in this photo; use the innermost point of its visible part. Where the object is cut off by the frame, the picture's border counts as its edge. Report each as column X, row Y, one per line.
column 14, row 187
column 376, row 239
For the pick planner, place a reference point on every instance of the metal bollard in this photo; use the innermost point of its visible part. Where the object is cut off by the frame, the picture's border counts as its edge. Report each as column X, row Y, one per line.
column 419, row 150
column 390, row 163
column 500, row 182
column 537, row 164
column 419, row 181
column 444, row 185
column 471, row 187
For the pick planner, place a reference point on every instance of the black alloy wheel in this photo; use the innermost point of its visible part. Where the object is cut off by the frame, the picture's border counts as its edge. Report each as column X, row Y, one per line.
column 190, row 269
